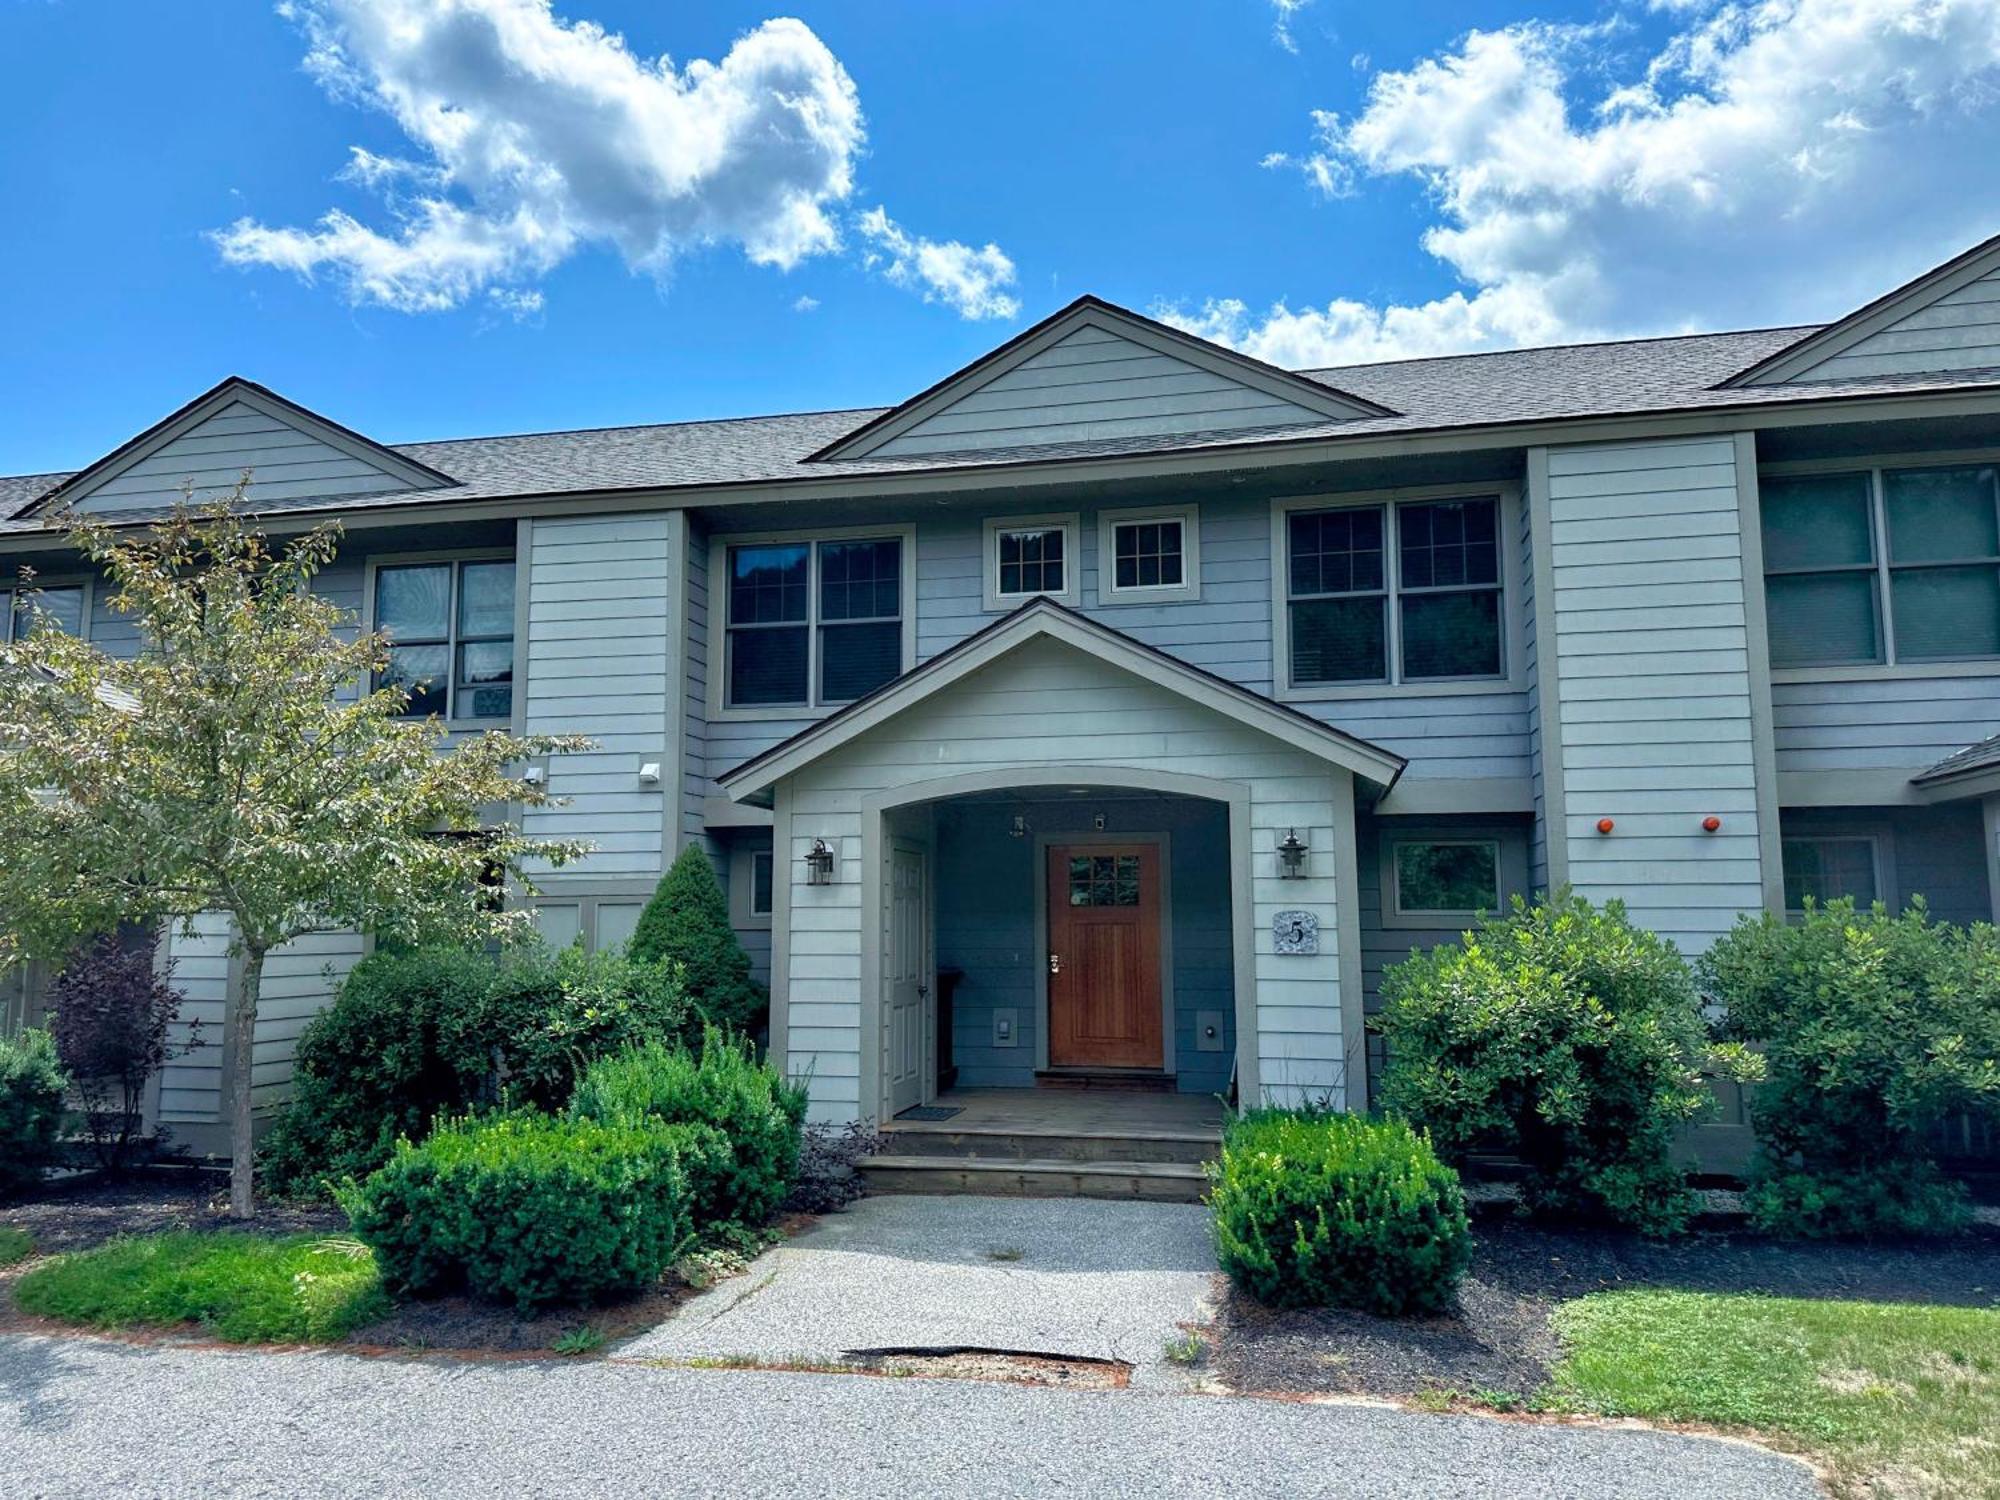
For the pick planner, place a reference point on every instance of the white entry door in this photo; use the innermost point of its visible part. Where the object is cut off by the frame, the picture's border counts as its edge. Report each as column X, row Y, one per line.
column 906, row 968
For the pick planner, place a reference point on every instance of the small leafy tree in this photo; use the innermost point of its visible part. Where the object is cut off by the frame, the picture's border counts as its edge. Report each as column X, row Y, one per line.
column 1874, row 1029
column 241, row 763
column 687, row 921
column 1564, row 1034
column 31, row 1108
column 113, row 1012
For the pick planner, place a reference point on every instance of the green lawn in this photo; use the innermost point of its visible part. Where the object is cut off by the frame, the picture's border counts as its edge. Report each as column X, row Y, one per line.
column 242, row 1287
column 1897, row 1400
column 16, row 1245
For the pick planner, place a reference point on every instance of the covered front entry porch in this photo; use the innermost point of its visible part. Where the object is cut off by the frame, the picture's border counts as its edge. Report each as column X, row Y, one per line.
column 1079, row 837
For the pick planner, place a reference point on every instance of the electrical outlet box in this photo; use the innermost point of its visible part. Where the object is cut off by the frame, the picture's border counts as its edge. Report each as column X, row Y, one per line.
column 1007, row 1027
column 1208, row 1031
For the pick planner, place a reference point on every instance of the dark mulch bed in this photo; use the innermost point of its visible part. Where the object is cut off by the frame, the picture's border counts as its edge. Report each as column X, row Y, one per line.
column 86, row 1211
column 1499, row 1341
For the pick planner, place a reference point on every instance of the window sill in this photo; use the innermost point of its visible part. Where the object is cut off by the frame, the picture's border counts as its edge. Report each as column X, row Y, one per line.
column 1178, row 594
column 722, row 714
column 1457, row 687
column 1006, row 604
column 1983, row 666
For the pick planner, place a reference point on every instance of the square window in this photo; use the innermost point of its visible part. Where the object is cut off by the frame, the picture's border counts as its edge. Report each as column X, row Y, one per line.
column 812, row 623
column 1339, row 640
column 1447, row 878
column 1828, row 868
column 451, row 631
column 1032, row 562
column 1147, row 555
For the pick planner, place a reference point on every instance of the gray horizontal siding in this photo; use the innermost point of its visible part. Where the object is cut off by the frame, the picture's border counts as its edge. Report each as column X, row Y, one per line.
column 1958, row 331
column 1095, row 384
column 1903, row 724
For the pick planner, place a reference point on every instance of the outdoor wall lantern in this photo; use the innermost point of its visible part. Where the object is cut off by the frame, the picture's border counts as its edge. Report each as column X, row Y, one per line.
column 819, row 864
column 1018, row 829
column 1291, row 855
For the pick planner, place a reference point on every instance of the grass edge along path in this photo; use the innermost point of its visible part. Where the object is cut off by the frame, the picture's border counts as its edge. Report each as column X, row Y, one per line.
column 238, row 1286
column 1898, row 1399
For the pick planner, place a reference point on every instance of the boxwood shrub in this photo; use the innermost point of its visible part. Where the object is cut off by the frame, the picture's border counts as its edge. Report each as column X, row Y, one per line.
column 758, row 1114
column 31, row 1109
column 1318, row 1209
column 527, row 1209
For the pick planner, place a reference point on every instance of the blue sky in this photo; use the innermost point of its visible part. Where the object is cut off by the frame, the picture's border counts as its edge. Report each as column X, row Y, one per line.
column 551, row 228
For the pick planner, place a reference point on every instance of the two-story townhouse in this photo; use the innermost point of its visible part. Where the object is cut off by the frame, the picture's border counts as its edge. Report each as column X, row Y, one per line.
column 1118, row 707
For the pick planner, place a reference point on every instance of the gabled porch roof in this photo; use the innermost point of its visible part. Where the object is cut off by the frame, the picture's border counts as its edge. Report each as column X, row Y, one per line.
column 1044, row 619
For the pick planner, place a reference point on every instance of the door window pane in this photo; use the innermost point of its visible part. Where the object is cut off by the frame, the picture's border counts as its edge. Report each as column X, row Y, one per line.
column 1104, row 880
column 1946, row 613
column 1822, row 619
column 1447, row 877
column 1339, row 640
column 1148, row 555
column 1452, row 635
column 1942, row 515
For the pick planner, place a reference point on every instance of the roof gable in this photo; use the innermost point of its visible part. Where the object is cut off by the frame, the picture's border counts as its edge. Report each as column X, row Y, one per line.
column 291, row 453
column 1045, row 620
column 1097, row 371
column 1945, row 321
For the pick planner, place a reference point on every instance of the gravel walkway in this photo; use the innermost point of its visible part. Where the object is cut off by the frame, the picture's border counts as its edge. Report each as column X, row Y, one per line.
column 1062, row 1276
column 87, row 1418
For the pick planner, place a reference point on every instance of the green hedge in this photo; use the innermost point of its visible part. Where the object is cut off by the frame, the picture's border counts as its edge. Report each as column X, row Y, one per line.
column 31, row 1109
column 1317, row 1209
column 759, row 1116
column 1568, row 1036
column 527, row 1209
column 1874, row 1029
column 415, row 1035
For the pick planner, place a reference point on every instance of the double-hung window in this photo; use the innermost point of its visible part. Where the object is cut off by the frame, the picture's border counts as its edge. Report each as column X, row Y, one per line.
column 1876, row 567
column 1405, row 591
column 813, row 623
column 450, row 625
column 30, row 607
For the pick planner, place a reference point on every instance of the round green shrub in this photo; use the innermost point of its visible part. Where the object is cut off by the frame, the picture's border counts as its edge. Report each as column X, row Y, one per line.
column 527, row 1209
column 31, row 1109
column 1566, row 1035
column 757, row 1113
column 1874, row 1030
column 1316, row 1209
column 556, row 1013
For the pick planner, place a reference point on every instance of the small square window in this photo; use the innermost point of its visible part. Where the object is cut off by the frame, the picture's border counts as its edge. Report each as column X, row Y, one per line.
column 1145, row 556
column 1031, row 558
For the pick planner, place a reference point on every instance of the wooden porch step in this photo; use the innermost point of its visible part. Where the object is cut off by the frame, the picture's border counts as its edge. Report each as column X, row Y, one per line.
column 948, row 1140
column 1159, row 1181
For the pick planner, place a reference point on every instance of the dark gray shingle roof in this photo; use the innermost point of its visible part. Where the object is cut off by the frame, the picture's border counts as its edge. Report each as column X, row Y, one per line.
column 1980, row 757
column 1634, row 377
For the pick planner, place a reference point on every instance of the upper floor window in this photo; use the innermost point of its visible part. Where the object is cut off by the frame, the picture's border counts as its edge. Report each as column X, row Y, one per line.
column 451, row 629
column 813, row 623
column 1032, row 557
column 1881, row 566
column 61, row 607
column 1146, row 556
column 1407, row 591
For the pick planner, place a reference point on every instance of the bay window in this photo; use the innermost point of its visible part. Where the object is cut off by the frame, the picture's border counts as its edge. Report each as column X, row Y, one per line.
column 1876, row 567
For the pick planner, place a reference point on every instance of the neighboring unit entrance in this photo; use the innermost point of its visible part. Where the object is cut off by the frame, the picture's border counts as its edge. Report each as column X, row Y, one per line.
column 1104, row 956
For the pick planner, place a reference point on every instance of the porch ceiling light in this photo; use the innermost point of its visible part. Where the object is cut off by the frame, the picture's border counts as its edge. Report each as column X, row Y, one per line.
column 1291, row 855
column 819, row 863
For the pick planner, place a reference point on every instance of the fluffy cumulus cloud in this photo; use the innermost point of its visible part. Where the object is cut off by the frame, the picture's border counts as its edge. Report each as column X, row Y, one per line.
column 971, row 281
column 1771, row 162
column 535, row 137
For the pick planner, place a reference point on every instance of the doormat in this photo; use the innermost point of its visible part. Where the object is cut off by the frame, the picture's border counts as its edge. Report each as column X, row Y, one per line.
column 931, row 1112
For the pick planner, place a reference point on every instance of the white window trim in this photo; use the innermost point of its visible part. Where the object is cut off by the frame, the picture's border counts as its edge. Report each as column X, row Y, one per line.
column 743, row 859
column 14, row 586
column 1873, row 465
column 989, row 553
column 1187, row 517
column 1513, row 649
column 1393, row 911
column 463, row 555
column 719, row 707
column 1879, row 837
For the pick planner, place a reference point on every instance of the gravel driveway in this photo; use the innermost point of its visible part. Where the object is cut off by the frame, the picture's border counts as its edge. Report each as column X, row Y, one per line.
column 81, row 1417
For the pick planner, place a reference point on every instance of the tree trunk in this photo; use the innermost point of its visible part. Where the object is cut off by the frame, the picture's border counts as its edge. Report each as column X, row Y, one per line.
column 242, row 1037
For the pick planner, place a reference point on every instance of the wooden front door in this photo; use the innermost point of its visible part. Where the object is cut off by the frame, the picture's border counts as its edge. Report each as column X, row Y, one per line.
column 1104, row 956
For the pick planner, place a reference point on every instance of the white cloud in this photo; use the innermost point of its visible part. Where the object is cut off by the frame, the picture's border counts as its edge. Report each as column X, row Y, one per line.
column 806, row 305
column 959, row 276
column 536, row 137
column 1281, row 23
column 1774, row 161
